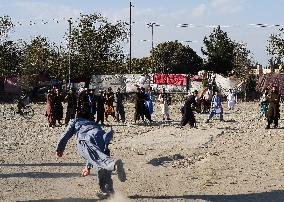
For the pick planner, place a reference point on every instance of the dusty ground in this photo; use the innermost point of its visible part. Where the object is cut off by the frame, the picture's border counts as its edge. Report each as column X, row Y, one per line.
column 235, row 161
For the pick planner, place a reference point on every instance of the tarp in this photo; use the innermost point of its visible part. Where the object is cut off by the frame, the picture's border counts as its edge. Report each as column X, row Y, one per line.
column 226, row 83
column 269, row 80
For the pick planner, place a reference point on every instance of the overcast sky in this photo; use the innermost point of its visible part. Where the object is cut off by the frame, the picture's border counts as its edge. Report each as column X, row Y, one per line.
column 237, row 17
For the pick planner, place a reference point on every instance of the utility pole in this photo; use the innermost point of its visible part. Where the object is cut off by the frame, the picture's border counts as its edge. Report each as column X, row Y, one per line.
column 152, row 24
column 69, row 56
column 130, row 36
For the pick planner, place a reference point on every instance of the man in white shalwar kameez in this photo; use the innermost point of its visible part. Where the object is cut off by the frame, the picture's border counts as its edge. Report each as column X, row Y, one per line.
column 232, row 100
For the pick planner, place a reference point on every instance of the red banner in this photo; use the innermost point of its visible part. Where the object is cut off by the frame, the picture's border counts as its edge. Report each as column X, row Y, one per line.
column 169, row 79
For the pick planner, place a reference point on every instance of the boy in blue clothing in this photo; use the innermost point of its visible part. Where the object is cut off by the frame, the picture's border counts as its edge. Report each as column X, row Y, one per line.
column 92, row 144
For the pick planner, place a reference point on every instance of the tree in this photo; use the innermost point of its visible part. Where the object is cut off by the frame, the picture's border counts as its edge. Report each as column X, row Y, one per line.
column 10, row 58
column 96, row 43
column 58, row 62
column 174, row 57
column 6, row 25
column 38, row 56
column 276, row 47
column 141, row 65
column 242, row 61
column 219, row 50
column 9, row 52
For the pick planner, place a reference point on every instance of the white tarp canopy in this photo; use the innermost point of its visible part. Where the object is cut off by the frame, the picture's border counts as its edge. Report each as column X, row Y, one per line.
column 226, row 83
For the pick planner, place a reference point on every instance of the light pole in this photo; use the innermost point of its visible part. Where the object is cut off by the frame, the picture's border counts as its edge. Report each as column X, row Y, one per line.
column 130, row 36
column 152, row 24
column 69, row 56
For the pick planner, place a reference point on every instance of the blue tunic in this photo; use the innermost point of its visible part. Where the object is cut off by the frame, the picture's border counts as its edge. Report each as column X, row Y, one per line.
column 92, row 142
column 149, row 103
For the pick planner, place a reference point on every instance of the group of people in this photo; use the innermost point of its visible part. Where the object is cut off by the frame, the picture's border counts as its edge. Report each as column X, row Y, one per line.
column 216, row 107
column 143, row 102
column 54, row 111
column 97, row 106
column 107, row 103
column 104, row 104
column 269, row 107
column 100, row 106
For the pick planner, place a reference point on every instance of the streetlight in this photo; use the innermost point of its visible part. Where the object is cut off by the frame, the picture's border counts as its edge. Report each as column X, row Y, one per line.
column 152, row 24
column 130, row 35
column 69, row 55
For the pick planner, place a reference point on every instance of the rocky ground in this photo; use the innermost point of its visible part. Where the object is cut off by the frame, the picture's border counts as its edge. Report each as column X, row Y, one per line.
column 233, row 161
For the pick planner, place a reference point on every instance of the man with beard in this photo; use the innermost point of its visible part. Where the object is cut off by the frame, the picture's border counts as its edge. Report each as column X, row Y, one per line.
column 187, row 110
column 273, row 114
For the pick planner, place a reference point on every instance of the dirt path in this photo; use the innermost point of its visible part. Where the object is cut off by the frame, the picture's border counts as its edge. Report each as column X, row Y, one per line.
column 235, row 161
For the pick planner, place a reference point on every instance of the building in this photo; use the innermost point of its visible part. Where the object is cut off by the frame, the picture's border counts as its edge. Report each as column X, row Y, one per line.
column 265, row 70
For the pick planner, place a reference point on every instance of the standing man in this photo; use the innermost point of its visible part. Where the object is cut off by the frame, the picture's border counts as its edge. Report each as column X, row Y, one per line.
column 138, row 104
column 216, row 106
column 187, row 110
column 92, row 103
column 50, row 107
column 273, row 114
column 145, row 109
column 71, row 100
column 58, row 107
column 100, row 107
column 232, row 100
column 109, row 100
column 164, row 99
column 120, row 113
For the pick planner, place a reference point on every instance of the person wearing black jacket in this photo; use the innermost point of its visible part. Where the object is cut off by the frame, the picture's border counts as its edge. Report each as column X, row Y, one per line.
column 71, row 100
column 100, row 107
column 187, row 111
column 120, row 113
column 145, row 109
